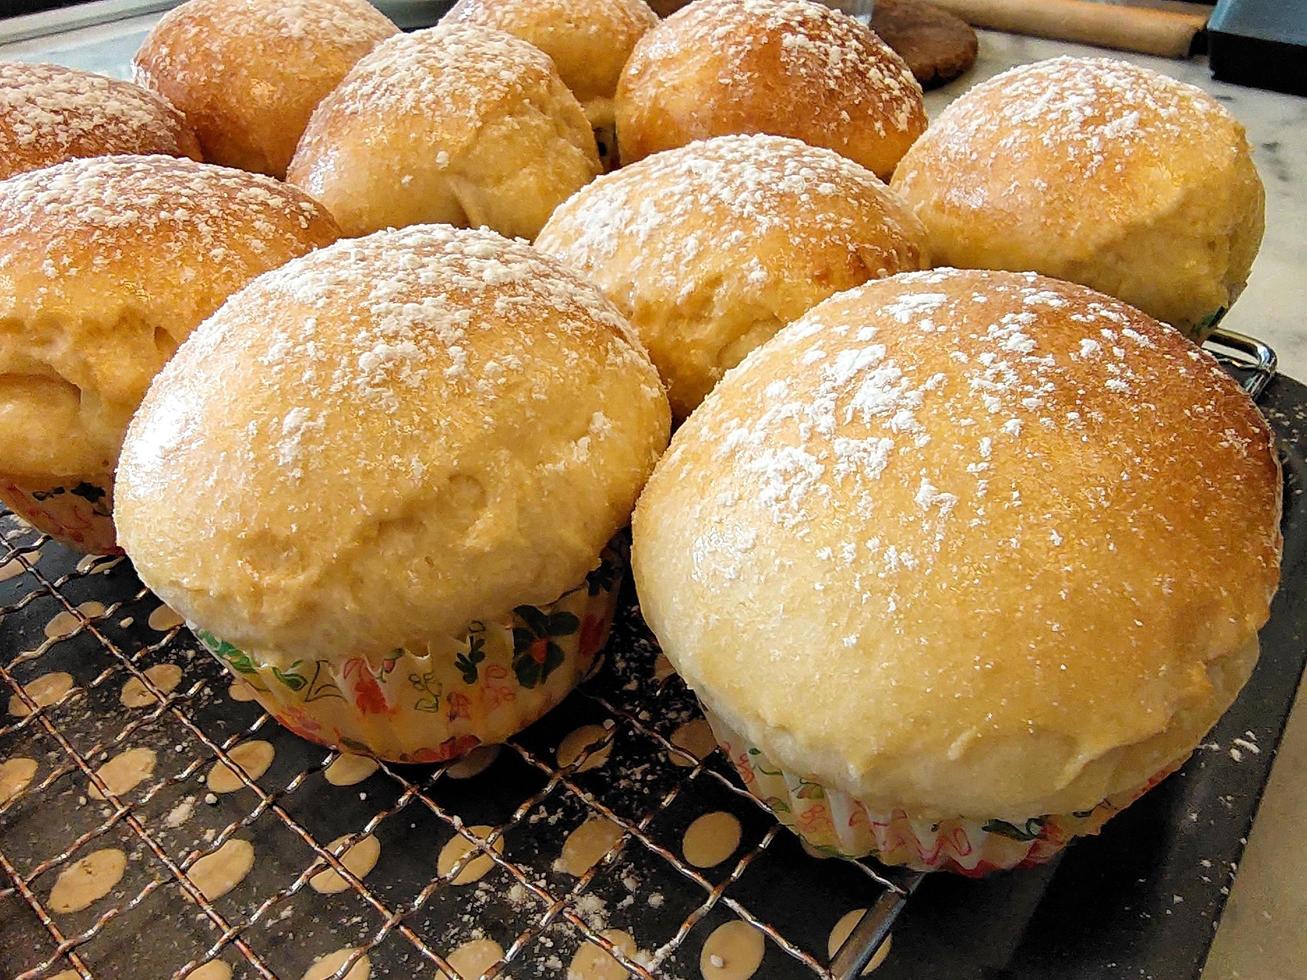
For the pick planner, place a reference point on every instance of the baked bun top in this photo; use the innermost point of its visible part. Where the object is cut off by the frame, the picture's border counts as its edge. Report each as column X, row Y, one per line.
column 787, row 67
column 456, row 124
column 711, row 248
column 384, row 441
column 49, row 114
column 248, row 73
column 1097, row 171
column 974, row 544
column 589, row 40
column 107, row 265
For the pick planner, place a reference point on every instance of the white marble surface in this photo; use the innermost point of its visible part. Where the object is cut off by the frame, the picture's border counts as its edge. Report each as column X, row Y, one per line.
column 1263, row 935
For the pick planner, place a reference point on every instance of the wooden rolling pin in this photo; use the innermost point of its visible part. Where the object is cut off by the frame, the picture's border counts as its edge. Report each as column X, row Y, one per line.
column 1162, row 32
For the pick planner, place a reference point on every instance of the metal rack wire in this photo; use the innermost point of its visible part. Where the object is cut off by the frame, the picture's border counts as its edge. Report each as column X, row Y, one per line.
column 406, row 908
column 629, row 702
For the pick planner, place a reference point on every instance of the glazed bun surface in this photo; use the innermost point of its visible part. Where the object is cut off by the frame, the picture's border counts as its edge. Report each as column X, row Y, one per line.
column 247, row 74
column 1099, row 172
column 107, row 266
column 785, row 67
column 588, row 40
column 49, row 114
column 385, row 441
column 458, row 125
column 975, row 544
column 711, row 248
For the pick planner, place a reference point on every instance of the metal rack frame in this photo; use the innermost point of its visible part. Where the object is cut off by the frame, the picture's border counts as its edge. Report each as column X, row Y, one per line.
column 887, row 890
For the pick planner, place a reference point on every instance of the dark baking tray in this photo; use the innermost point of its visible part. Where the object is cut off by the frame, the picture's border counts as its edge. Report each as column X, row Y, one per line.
column 1142, row 900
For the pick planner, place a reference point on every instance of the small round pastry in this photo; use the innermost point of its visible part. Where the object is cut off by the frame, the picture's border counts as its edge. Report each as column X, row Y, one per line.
column 1095, row 171
column 107, row 265
column 458, row 125
column 962, row 562
column 589, row 41
column 414, row 450
column 786, row 67
column 937, row 45
column 49, row 114
column 711, row 248
column 247, row 73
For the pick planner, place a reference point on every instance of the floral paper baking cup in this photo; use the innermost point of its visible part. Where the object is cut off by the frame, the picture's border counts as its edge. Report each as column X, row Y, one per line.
column 79, row 514
column 838, row 825
column 441, row 702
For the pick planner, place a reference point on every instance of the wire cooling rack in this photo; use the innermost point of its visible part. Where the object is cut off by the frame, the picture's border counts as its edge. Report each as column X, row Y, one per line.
column 404, row 913
column 91, row 619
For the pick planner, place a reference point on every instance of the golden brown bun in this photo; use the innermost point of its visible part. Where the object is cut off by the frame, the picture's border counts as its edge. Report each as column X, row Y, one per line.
column 1099, row 172
column 974, row 544
column 712, row 248
column 49, row 114
column 107, row 264
column 457, row 125
column 589, row 40
column 787, row 67
column 247, row 74
column 386, row 440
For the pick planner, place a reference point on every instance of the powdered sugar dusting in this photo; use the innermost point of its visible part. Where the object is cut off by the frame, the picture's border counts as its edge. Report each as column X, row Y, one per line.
column 80, row 214
column 449, row 403
column 186, row 29
column 49, row 113
column 109, row 263
column 859, row 405
column 588, row 45
column 822, row 49
column 751, row 187
column 827, row 78
column 426, row 291
column 465, row 69
column 1065, row 528
column 1091, row 115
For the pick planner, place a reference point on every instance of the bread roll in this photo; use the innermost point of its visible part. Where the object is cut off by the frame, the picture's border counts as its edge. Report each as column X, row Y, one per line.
column 459, row 125
column 108, row 264
column 786, row 67
column 395, row 437
column 966, row 544
column 588, row 40
column 248, row 73
column 1099, row 172
column 711, row 248
column 49, row 114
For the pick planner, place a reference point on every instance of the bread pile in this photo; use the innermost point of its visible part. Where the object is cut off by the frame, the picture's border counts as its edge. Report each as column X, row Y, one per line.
column 959, row 561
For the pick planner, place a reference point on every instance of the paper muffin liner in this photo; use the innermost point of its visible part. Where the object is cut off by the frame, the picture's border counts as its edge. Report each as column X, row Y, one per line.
column 840, row 826
column 441, row 702
column 78, row 514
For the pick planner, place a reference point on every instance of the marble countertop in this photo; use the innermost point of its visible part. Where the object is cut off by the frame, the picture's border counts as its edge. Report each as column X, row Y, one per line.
column 1263, row 934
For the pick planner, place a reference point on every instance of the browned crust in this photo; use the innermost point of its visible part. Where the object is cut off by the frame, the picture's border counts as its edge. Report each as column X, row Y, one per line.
column 784, row 67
